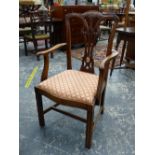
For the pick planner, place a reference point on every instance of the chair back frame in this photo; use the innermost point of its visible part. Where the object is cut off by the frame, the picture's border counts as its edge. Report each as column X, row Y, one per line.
column 90, row 32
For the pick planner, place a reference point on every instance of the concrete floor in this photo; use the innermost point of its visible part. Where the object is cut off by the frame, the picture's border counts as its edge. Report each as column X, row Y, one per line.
column 114, row 133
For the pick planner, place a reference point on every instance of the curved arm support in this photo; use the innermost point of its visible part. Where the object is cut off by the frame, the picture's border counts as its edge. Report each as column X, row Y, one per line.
column 103, row 73
column 52, row 49
column 46, row 59
column 113, row 55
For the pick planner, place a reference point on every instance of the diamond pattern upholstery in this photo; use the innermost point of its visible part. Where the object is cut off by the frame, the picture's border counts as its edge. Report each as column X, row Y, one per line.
column 71, row 85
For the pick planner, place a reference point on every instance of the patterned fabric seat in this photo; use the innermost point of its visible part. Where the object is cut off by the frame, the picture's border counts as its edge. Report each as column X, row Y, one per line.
column 71, row 85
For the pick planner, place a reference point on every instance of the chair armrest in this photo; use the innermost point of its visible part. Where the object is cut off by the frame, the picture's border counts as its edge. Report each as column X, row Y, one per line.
column 46, row 59
column 103, row 73
column 51, row 50
column 108, row 59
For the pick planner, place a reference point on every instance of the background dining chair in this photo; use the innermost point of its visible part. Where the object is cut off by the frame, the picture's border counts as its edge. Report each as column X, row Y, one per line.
column 124, row 19
column 41, row 29
column 78, row 88
column 24, row 29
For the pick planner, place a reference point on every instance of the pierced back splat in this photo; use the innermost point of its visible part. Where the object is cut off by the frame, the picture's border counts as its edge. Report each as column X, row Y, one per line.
column 90, row 31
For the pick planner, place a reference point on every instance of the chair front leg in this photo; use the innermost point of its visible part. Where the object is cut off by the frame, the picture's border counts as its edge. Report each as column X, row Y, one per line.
column 89, row 127
column 40, row 108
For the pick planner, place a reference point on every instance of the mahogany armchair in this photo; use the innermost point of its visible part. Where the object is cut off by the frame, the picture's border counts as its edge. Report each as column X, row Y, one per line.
column 80, row 89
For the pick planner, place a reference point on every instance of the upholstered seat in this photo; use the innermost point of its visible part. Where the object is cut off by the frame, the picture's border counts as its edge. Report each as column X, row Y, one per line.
column 38, row 36
column 24, row 31
column 71, row 85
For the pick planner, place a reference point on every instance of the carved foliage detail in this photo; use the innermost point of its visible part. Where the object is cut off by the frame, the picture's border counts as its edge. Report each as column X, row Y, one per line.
column 90, row 33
